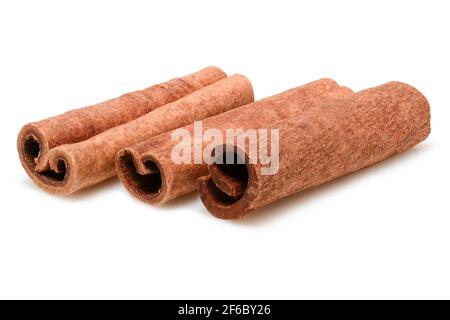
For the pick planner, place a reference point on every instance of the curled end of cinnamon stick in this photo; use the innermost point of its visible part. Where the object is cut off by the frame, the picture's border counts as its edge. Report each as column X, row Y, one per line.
column 49, row 170
column 227, row 192
column 141, row 177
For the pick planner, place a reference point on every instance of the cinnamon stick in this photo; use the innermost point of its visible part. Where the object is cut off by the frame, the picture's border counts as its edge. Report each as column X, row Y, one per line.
column 68, row 152
column 339, row 137
column 148, row 172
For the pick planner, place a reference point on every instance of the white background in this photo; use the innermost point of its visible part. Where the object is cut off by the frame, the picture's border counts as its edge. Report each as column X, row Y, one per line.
column 383, row 232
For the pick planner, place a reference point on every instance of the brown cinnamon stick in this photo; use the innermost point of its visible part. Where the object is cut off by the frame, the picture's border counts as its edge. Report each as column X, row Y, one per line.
column 148, row 172
column 65, row 153
column 326, row 142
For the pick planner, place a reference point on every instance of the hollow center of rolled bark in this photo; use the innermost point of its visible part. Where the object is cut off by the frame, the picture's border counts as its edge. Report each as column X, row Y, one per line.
column 59, row 176
column 148, row 184
column 32, row 151
column 236, row 171
column 229, row 180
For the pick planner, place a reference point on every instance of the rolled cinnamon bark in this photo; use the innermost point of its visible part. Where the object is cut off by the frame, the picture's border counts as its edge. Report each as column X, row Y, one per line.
column 52, row 151
column 148, row 172
column 339, row 137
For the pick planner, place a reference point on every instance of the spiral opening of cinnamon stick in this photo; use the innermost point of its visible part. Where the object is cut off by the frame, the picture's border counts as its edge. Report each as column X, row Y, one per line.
column 143, row 178
column 34, row 152
column 229, row 187
column 230, row 178
column 31, row 150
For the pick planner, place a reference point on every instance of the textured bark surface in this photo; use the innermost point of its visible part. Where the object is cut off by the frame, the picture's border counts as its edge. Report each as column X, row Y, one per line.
column 50, row 150
column 321, row 144
column 148, row 172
